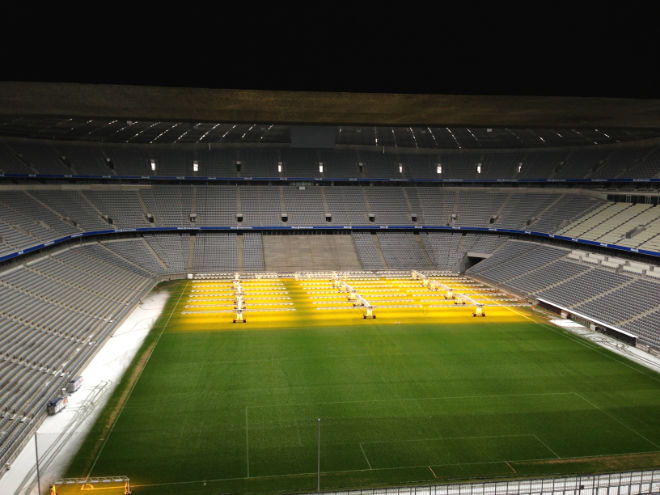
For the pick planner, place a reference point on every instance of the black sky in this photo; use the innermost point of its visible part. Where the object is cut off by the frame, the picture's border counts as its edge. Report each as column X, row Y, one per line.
column 543, row 48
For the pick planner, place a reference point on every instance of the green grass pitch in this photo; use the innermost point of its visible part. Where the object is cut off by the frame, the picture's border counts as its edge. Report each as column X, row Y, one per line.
column 235, row 411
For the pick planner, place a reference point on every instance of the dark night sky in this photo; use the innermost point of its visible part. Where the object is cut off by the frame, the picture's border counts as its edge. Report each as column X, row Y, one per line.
column 544, row 48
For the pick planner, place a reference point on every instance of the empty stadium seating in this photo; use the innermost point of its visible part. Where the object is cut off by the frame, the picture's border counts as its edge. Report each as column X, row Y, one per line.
column 21, row 156
column 618, row 292
column 626, row 224
column 56, row 312
column 36, row 215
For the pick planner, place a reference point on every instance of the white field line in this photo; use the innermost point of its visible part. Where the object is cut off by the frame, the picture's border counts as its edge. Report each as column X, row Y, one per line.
column 448, row 397
column 512, row 435
column 547, row 446
column 247, row 441
column 596, row 406
column 365, row 456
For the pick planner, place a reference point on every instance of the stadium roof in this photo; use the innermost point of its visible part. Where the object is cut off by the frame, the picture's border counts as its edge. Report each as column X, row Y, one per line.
column 109, row 130
column 473, row 65
column 177, row 104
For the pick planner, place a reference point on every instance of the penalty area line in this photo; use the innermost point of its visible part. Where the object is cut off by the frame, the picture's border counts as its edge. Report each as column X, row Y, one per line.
column 610, row 415
column 546, row 446
column 365, row 456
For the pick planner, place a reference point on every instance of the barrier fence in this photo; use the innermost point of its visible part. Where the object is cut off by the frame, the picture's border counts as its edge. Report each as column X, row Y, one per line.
column 625, row 483
column 280, row 228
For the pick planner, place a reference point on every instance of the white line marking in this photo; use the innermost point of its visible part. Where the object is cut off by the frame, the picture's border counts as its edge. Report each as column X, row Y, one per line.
column 512, row 435
column 365, row 456
column 448, row 397
column 298, row 432
column 596, row 406
column 547, row 446
column 247, row 441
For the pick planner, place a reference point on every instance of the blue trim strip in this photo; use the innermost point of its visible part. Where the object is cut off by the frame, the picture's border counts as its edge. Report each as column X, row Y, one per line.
column 185, row 178
column 373, row 228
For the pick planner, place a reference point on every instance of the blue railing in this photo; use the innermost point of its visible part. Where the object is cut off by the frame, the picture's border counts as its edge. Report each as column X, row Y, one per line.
column 325, row 179
column 271, row 228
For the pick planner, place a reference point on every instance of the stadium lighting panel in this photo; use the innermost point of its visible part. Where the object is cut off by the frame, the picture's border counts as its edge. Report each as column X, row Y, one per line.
column 400, row 168
column 321, row 167
column 195, row 166
column 438, row 168
column 280, row 167
column 153, row 165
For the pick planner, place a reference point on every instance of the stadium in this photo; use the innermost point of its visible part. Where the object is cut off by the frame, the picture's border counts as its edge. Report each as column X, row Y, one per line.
column 464, row 301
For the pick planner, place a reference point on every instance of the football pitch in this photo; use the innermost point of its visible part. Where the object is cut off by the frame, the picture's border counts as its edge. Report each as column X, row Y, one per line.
column 421, row 397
